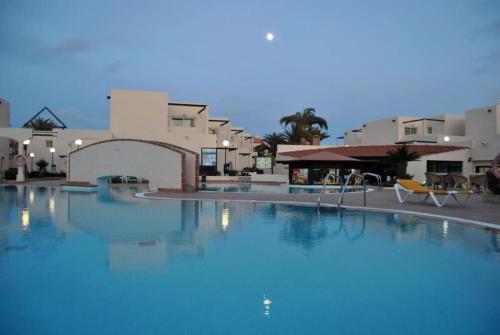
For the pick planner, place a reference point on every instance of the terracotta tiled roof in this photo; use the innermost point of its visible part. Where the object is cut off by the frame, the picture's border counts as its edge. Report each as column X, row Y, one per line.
column 316, row 156
column 365, row 151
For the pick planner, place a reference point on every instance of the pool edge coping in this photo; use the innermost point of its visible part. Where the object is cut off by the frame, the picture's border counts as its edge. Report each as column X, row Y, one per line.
column 476, row 223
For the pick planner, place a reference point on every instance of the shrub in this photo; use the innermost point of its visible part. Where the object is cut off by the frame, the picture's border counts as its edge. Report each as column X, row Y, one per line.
column 493, row 183
column 11, row 174
column 42, row 165
column 249, row 169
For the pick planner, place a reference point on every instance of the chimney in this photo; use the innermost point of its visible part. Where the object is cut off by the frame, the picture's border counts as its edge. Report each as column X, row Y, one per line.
column 303, row 141
column 315, row 140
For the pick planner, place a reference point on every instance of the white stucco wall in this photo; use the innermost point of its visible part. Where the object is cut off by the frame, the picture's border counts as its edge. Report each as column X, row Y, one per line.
column 482, row 124
column 384, row 131
column 200, row 118
column 353, row 137
column 191, row 169
column 419, row 168
column 147, row 116
column 138, row 114
column 162, row 166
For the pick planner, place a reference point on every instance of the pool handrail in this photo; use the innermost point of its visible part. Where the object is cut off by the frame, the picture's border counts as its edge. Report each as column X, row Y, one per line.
column 325, row 180
column 344, row 187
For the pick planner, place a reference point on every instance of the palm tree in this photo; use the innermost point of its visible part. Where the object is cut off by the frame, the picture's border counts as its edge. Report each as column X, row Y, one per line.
column 269, row 145
column 292, row 134
column 317, row 131
column 399, row 159
column 302, row 124
column 41, row 123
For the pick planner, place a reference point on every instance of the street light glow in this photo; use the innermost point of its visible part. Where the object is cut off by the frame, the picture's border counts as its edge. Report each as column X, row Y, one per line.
column 26, row 142
column 52, row 150
column 32, row 154
column 78, row 142
column 225, row 143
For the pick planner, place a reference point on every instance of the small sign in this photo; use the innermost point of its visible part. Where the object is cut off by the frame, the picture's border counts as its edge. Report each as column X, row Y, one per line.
column 20, row 160
column 263, row 163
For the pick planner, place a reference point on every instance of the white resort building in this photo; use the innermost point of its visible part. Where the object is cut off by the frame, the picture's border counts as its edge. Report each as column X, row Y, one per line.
column 146, row 117
column 464, row 144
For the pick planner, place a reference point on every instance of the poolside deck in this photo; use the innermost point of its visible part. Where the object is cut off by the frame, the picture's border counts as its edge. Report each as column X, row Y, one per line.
column 475, row 209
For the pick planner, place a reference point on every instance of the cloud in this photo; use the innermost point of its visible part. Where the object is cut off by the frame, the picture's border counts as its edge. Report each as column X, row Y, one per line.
column 72, row 45
column 488, row 63
column 114, row 67
column 493, row 27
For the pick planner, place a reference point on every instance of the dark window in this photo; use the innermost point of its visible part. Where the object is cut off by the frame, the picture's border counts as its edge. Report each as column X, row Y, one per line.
column 209, row 157
column 208, row 161
column 483, row 169
column 299, row 176
column 444, row 166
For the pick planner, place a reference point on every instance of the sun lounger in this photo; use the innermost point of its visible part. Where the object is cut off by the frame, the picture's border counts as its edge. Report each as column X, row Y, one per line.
column 412, row 187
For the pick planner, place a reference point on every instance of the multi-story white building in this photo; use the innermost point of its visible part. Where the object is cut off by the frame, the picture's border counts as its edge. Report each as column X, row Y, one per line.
column 478, row 130
column 140, row 115
column 238, row 154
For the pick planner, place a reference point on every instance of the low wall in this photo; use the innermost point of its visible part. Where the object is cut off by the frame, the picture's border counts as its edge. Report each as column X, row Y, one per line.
column 222, row 179
column 269, row 178
column 254, row 178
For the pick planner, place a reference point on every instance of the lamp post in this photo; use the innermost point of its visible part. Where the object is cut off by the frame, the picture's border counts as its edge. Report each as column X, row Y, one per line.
column 52, row 150
column 25, row 147
column 32, row 158
column 78, row 143
column 1, row 169
column 225, row 143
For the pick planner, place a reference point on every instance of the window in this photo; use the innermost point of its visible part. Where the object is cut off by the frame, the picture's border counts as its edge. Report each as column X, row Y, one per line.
column 300, row 176
column 483, row 169
column 429, row 130
column 186, row 122
column 410, row 131
column 213, row 131
column 444, row 166
column 49, row 144
column 208, row 157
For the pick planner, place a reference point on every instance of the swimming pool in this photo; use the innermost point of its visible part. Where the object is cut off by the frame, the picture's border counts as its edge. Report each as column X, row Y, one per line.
column 263, row 188
column 109, row 263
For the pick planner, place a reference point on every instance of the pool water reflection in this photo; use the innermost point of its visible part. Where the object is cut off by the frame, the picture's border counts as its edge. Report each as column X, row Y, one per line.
column 108, row 263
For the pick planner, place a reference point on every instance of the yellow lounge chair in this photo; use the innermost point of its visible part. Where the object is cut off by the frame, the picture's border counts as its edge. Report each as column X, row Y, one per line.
column 412, row 187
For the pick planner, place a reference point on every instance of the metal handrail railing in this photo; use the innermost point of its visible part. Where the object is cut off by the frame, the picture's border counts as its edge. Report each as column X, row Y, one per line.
column 346, row 182
column 328, row 176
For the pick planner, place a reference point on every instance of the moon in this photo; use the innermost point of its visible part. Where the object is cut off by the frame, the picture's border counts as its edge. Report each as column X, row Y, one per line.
column 269, row 37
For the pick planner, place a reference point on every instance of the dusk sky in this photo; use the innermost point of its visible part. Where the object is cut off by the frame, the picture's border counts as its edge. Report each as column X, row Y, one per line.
column 351, row 60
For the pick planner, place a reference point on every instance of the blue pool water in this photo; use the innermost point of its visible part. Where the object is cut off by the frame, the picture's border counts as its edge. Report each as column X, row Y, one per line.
column 108, row 263
column 263, row 188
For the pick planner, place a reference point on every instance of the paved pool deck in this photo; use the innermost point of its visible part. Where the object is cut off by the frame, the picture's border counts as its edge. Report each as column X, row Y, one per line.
column 474, row 210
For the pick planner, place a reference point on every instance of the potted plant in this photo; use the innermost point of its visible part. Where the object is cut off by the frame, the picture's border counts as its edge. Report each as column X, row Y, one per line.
column 42, row 166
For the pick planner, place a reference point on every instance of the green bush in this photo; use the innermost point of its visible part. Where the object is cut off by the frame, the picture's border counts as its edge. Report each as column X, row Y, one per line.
column 38, row 174
column 10, row 174
column 493, row 183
